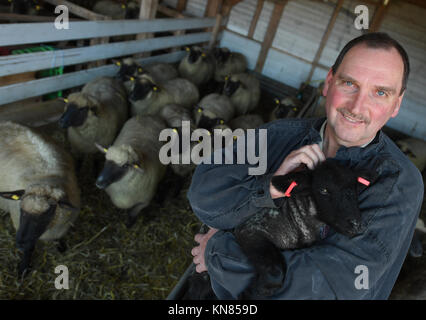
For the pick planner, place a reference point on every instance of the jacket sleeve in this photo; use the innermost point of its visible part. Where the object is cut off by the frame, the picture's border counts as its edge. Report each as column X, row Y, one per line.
column 224, row 195
column 364, row 267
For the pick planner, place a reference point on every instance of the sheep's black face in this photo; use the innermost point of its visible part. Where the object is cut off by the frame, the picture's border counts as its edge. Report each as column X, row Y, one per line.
column 231, row 87
column 141, row 90
column 208, row 123
column 127, row 71
column 194, row 55
column 132, row 13
column 110, row 173
column 21, row 6
column 73, row 116
column 221, row 56
column 335, row 190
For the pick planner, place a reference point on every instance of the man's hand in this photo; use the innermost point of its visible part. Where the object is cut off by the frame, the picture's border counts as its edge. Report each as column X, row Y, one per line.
column 310, row 155
column 198, row 252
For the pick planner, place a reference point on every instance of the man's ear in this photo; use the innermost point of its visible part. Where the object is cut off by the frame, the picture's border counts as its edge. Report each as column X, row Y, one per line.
column 327, row 82
column 398, row 105
column 293, row 183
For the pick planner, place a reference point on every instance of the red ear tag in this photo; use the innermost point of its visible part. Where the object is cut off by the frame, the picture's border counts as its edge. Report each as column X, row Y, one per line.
column 290, row 188
column 363, row 181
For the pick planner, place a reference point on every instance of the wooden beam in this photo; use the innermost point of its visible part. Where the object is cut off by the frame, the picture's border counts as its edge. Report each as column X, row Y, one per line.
column 215, row 32
column 17, row 92
column 213, row 8
column 13, row 64
column 148, row 10
column 12, row 17
column 270, row 34
column 325, row 37
column 77, row 10
column 379, row 15
column 181, row 5
column 256, row 16
column 170, row 12
column 25, row 33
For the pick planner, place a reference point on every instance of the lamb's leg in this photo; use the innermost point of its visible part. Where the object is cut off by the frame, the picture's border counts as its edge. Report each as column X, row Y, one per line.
column 268, row 262
column 133, row 213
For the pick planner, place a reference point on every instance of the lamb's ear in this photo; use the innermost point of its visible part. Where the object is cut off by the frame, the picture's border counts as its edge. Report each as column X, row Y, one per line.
column 293, row 183
column 100, row 148
column 12, row 195
column 366, row 178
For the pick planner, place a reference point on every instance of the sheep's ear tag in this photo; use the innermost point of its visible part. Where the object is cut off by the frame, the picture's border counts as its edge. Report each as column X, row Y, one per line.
column 37, row 7
column 132, row 79
column 294, row 109
column 187, row 49
column 290, row 188
column 136, row 166
column 175, row 130
column 118, row 63
column 15, row 195
column 277, row 101
column 363, row 181
column 200, row 110
column 203, row 55
column 123, row 6
column 226, row 78
column 140, row 70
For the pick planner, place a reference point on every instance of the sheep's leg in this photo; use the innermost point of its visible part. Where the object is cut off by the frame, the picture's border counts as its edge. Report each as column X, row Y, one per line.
column 269, row 264
column 25, row 264
column 133, row 213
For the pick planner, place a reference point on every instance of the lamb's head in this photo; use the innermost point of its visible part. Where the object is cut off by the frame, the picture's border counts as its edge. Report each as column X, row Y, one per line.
column 335, row 190
column 195, row 54
column 79, row 107
column 142, row 88
column 205, row 118
column 29, row 7
column 119, row 161
column 39, row 204
column 221, row 55
column 232, row 84
column 128, row 68
column 286, row 106
column 132, row 11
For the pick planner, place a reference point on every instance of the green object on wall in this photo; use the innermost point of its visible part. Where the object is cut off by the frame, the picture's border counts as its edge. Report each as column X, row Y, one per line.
column 44, row 73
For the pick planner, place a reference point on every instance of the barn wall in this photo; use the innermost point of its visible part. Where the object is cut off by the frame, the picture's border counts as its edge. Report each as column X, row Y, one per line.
column 299, row 34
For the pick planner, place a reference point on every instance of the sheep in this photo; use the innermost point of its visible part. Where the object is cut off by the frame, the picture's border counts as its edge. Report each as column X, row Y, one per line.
column 415, row 150
column 197, row 66
column 95, row 114
column 244, row 91
column 315, row 200
column 147, row 97
column 212, row 110
column 247, row 121
column 38, row 187
column 130, row 68
column 29, row 7
column 116, row 10
column 173, row 115
column 287, row 107
column 227, row 63
column 132, row 169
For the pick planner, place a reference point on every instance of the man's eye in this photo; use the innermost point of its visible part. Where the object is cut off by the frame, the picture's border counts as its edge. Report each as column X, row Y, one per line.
column 381, row 93
column 349, row 83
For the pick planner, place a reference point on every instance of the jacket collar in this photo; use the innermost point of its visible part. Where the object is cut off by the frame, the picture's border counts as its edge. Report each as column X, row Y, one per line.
column 345, row 153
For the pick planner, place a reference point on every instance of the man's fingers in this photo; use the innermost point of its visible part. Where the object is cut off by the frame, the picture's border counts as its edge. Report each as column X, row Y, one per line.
column 200, row 268
column 195, row 251
column 198, row 237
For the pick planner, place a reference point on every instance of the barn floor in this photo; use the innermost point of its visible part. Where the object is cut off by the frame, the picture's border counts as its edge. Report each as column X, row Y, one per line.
column 106, row 260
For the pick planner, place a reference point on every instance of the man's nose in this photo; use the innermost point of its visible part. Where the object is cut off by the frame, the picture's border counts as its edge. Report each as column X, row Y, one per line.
column 359, row 102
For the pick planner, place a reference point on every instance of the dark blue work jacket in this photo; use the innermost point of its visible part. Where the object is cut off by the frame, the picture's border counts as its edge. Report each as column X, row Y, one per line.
column 363, row 267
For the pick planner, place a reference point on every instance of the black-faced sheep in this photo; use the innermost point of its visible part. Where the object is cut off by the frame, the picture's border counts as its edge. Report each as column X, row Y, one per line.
column 247, row 121
column 227, row 63
column 288, row 107
column 38, row 187
column 244, row 91
column 214, row 109
column 116, row 10
column 197, row 66
column 132, row 168
column 29, row 7
column 95, row 114
column 130, row 68
column 147, row 97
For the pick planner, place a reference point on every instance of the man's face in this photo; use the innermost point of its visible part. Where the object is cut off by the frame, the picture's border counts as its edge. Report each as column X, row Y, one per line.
column 363, row 94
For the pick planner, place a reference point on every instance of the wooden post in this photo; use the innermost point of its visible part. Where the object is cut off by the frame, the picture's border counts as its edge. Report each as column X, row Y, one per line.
column 325, row 37
column 213, row 8
column 270, row 34
column 148, row 10
column 256, row 16
column 77, row 10
column 181, row 5
column 215, row 31
column 379, row 15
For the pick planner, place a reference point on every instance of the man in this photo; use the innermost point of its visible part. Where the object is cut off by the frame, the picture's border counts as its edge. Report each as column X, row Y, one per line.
column 363, row 90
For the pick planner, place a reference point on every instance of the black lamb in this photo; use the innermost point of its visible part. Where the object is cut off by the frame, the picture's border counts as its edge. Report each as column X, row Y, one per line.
column 315, row 199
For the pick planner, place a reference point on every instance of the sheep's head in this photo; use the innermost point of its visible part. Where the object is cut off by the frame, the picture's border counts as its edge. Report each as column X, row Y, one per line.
column 128, row 68
column 335, row 190
column 143, row 88
column 232, row 84
column 25, row 6
column 195, row 54
column 221, row 55
column 287, row 106
column 38, row 207
column 132, row 11
column 205, row 118
column 78, row 108
column 119, row 161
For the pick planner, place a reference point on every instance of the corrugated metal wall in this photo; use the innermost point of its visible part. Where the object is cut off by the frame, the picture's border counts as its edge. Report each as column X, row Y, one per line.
column 299, row 34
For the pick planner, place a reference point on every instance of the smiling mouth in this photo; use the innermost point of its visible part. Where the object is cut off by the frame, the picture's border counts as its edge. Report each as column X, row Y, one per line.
column 351, row 119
